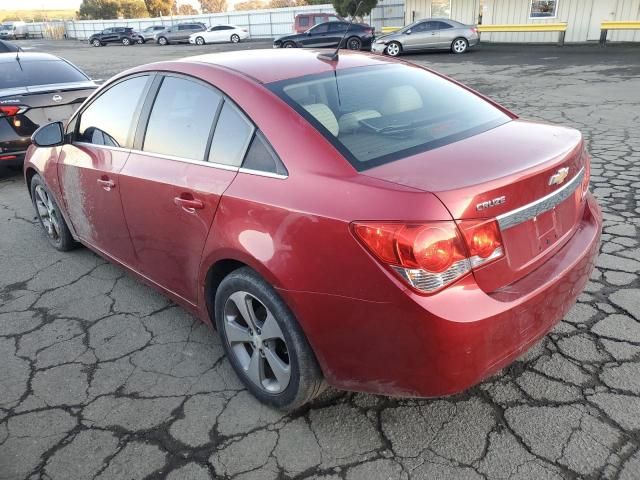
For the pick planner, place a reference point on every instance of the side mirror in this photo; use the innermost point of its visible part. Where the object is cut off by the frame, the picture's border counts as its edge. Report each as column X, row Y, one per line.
column 408, row 32
column 49, row 135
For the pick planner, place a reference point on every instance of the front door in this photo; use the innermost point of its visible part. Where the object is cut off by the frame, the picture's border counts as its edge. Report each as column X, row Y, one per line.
column 317, row 37
column 422, row 35
column 89, row 168
column 602, row 10
column 173, row 181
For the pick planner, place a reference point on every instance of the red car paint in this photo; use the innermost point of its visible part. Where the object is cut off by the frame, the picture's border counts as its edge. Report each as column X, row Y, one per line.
column 369, row 330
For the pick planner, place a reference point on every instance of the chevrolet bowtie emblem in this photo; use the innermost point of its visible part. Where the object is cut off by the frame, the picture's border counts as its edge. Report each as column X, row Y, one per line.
column 558, row 177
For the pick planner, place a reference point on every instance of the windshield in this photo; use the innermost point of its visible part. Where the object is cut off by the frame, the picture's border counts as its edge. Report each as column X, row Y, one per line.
column 6, row 27
column 378, row 114
column 42, row 72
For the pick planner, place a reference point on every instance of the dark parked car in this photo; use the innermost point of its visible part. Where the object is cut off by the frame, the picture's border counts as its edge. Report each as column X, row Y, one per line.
column 149, row 33
column 35, row 89
column 179, row 33
column 329, row 34
column 8, row 47
column 123, row 35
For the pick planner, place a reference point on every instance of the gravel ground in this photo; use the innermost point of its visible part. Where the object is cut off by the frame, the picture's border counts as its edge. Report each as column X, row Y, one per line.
column 101, row 377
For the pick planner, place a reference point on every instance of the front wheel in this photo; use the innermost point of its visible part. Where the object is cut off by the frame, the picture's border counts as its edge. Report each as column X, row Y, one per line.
column 126, row 42
column 264, row 343
column 50, row 216
column 354, row 43
column 235, row 38
column 96, row 43
column 393, row 49
column 163, row 41
column 459, row 45
column 200, row 41
column 289, row 45
column 140, row 41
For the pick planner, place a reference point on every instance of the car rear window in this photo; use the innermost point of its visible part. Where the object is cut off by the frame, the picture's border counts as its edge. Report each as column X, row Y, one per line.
column 379, row 114
column 42, row 72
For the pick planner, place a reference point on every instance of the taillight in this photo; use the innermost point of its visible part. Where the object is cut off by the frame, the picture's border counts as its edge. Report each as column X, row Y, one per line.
column 483, row 240
column 11, row 110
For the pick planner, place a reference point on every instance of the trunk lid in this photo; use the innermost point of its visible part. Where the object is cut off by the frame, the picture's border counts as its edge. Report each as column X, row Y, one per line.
column 506, row 173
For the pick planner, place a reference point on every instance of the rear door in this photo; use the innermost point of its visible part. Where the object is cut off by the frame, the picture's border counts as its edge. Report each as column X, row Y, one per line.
column 89, row 167
column 447, row 33
column 174, row 180
column 336, row 32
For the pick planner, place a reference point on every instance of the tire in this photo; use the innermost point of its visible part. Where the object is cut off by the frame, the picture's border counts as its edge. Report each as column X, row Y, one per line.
column 289, row 45
column 126, row 41
column 140, row 41
column 459, row 45
column 50, row 217
column 163, row 41
column 354, row 43
column 96, row 43
column 393, row 49
column 277, row 340
column 235, row 38
column 200, row 41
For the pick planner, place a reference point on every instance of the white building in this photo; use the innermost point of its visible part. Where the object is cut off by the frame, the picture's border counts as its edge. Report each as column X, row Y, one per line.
column 582, row 16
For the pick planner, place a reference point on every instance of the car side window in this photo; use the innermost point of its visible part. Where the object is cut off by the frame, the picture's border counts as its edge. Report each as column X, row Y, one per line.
column 261, row 157
column 215, row 29
column 337, row 27
column 182, row 27
column 318, row 19
column 231, row 136
column 322, row 28
column 108, row 120
column 304, row 21
column 181, row 119
column 443, row 25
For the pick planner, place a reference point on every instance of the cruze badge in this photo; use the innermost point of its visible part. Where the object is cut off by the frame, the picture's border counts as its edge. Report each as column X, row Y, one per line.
column 491, row 203
column 558, row 177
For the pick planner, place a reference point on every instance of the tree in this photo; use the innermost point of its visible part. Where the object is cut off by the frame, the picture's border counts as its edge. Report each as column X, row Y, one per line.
column 133, row 9
column 250, row 5
column 160, row 7
column 347, row 8
column 93, row 9
column 213, row 6
column 186, row 9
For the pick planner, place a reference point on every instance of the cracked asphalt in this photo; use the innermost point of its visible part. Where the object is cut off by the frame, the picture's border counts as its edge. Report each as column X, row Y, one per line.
column 102, row 377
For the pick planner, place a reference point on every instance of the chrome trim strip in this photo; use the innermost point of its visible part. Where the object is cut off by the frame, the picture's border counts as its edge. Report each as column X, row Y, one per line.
column 260, row 173
column 102, row 147
column 544, row 204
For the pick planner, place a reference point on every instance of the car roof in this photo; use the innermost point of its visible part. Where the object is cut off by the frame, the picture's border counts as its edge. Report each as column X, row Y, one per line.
column 27, row 57
column 268, row 66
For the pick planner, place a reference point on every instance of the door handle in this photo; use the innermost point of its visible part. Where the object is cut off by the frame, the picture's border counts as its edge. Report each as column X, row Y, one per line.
column 106, row 183
column 189, row 204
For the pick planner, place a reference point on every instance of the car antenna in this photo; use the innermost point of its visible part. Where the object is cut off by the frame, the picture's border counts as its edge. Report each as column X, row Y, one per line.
column 333, row 57
column 18, row 58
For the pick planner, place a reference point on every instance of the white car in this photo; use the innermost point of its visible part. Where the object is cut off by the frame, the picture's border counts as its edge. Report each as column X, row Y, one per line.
column 219, row 33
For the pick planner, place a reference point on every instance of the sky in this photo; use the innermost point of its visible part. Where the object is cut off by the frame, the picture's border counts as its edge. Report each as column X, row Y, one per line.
column 55, row 4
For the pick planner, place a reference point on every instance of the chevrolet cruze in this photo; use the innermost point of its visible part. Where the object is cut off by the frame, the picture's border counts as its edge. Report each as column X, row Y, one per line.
column 408, row 238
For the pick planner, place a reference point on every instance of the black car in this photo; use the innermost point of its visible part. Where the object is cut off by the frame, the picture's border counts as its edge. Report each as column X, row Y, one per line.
column 35, row 89
column 8, row 47
column 123, row 35
column 329, row 34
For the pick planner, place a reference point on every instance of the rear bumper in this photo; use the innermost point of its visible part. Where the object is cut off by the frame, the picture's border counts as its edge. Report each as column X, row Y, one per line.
column 443, row 344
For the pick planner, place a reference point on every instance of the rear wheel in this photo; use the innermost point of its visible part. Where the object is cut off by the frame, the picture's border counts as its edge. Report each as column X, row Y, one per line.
column 200, row 41
column 354, row 43
column 235, row 38
column 140, row 41
column 393, row 49
column 50, row 216
column 289, row 45
column 459, row 45
column 96, row 43
column 163, row 41
column 126, row 41
column 264, row 343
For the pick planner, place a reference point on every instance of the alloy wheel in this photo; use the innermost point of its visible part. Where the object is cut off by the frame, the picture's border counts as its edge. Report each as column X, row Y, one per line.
column 354, row 44
column 393, row 49
column 96, row 43
column 289, row 45
column 126, row 41
column 162, row 41
column 257, row 342
column 235, row 38
column 48, row 213
column 459, row 46
column 200, row 41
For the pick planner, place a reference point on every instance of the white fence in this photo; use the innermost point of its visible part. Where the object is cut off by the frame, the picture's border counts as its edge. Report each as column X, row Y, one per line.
column 267, row 23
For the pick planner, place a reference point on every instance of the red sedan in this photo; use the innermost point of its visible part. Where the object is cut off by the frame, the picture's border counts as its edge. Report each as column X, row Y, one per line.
column 362, row 222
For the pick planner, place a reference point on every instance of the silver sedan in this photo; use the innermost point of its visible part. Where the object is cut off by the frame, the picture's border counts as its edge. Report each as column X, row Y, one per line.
column 430, row 33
